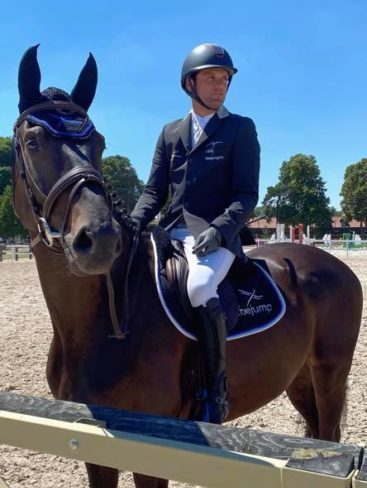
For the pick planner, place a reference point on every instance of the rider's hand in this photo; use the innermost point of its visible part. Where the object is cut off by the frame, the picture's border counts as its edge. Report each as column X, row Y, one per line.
column 136, row 224
column 208, row 241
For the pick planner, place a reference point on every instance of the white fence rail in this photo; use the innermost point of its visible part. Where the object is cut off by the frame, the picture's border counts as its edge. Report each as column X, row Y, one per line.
column 14, row 253
column 327, row 245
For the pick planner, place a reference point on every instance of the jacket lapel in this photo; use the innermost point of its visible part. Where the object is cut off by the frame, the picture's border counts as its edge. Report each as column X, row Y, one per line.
column 184, row 129
column 213, row 125
column 210, row 128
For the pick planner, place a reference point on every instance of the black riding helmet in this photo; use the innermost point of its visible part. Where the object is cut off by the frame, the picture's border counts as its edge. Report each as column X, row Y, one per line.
column 202, row 57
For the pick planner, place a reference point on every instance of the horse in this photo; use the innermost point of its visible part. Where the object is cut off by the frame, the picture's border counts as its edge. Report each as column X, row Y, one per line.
column 82, row 245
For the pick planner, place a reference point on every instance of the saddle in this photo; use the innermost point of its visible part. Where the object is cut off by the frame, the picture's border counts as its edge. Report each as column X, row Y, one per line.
column 249, row 296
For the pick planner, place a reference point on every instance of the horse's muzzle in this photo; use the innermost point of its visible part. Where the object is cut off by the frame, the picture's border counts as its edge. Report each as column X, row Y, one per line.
column 93, row 249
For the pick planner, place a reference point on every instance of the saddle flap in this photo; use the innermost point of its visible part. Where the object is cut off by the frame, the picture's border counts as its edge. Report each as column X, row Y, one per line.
column 250, row 298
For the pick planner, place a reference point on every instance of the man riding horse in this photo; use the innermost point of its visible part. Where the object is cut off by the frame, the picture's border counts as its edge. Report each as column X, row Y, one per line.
column 208, row 164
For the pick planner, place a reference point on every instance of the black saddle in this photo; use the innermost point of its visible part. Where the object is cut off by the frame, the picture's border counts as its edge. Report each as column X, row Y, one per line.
column 250, row 298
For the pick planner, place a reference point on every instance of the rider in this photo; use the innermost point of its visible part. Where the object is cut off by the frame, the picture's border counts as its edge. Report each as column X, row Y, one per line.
column 208, row 165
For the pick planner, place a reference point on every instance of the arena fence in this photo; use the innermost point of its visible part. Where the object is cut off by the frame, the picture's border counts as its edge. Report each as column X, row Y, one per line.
column 17, row 252
column 341, row 245
column 14, row 253
column 327, row 244
column 185, row 451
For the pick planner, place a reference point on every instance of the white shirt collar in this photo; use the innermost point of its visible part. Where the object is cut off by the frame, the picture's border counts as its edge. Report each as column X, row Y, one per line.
column 222, row 112
column 199, row 123
column 202, row 121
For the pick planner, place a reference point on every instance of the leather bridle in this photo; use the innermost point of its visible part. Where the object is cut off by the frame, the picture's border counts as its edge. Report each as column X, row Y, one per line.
column 43, row 205
column 74, row 179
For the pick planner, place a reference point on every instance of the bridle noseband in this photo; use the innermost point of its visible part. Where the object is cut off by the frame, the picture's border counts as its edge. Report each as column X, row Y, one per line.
column 75, row 178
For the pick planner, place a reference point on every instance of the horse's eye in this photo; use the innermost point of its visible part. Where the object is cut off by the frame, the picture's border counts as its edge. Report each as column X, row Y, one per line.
column 32, row 144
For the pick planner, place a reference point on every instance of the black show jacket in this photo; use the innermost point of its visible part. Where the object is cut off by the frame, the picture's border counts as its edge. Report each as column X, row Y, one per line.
column 217, row 180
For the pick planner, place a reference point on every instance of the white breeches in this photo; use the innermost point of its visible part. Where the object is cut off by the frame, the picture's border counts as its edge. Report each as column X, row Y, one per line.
column 205, row 272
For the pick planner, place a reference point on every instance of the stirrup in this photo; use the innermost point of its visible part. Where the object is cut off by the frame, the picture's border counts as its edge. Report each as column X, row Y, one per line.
column 224, row 404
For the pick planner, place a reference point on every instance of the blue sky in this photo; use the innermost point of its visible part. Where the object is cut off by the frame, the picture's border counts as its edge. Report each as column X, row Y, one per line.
column 302, row 71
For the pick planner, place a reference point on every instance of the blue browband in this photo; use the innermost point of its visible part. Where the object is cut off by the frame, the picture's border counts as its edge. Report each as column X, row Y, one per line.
column 62, row 123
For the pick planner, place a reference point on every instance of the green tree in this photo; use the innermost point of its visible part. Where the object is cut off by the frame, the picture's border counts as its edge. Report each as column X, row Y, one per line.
column 334, row 212
column 354, row 192
column 123, row 178
column 259, row 211
column 5, row 178
column 10, row 226
column 300, row 195
column 5, row 151
column 5, row 162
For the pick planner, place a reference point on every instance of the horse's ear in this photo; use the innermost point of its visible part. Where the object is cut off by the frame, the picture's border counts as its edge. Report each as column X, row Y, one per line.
column 85, row 88
column 29, row 79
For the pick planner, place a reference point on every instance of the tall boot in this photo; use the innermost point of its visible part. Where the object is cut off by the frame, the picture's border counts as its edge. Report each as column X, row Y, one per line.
column 212, row 340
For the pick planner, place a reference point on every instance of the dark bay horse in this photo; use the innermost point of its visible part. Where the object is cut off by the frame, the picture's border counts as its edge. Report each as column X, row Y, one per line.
column 79, row 241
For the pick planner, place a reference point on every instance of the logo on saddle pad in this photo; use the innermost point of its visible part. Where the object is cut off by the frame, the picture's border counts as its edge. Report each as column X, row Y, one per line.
column 249, row 309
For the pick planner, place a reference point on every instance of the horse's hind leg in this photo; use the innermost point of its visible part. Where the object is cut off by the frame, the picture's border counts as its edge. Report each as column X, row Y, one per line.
column 102, row 477
column 340, row 303
column 143, row 481
column 302, row 396
column 330, row 392
column 318, row 393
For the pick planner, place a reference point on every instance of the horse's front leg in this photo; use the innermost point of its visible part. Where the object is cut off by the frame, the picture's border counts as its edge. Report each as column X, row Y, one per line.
column 143, row 481
column 102, row 477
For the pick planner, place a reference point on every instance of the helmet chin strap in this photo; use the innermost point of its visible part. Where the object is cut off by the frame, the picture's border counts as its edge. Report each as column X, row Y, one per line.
column 196, row 97
column 194, row 94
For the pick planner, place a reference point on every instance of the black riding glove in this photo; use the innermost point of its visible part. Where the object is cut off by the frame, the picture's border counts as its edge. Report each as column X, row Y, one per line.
column 208, row 241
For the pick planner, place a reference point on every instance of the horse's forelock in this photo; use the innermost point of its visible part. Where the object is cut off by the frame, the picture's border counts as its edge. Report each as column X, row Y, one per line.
column 52, row 94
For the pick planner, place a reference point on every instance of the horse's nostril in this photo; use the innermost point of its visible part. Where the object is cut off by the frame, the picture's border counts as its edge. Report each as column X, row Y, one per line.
column 83, row 243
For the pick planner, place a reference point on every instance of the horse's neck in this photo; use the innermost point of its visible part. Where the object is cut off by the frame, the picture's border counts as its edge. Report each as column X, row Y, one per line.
column 73, row 302
column 79, row 307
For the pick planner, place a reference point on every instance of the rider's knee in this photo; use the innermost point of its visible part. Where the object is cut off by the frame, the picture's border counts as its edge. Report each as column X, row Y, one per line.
column 200, row 294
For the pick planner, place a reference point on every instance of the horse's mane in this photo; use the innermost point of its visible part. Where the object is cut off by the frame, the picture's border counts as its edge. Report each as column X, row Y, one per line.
column 165, row 249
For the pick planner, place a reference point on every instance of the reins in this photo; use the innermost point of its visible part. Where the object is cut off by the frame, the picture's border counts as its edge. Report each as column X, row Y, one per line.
column 121, row 328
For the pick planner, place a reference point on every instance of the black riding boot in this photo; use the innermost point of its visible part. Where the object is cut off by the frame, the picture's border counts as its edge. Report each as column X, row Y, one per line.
column 212, row 341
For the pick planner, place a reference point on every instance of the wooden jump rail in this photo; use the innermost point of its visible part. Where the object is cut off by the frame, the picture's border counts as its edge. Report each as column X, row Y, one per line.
column 185, row 451
column 14, row 253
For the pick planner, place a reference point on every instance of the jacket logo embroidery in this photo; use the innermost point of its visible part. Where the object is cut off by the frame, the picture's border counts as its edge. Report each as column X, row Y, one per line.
column 210, row 151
